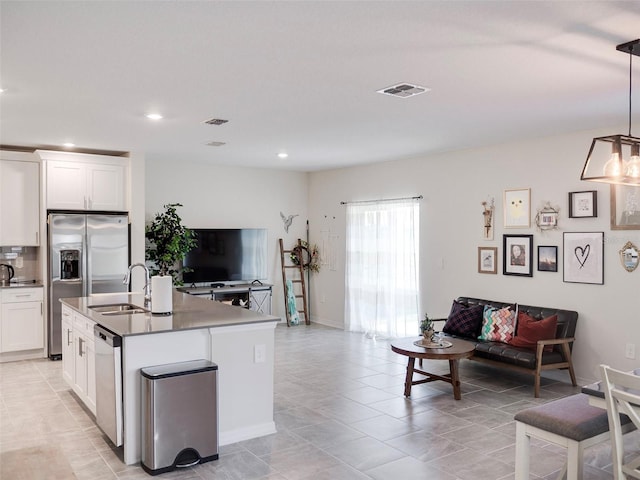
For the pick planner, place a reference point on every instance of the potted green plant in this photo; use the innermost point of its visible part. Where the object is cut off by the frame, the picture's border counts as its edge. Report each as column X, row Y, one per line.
column 426, row 328
column 168, row 241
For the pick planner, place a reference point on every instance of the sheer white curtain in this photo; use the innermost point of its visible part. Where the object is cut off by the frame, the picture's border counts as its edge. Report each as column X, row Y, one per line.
column 382, row 268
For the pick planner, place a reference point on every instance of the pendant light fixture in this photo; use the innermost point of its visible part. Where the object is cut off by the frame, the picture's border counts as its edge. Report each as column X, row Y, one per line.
column 616, row 158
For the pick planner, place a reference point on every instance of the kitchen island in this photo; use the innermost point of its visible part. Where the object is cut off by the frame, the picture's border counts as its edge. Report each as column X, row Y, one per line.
column 239, row 341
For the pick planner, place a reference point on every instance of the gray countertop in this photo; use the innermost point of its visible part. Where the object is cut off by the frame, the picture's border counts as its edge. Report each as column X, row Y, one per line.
column 189, row 312
column 29, row 284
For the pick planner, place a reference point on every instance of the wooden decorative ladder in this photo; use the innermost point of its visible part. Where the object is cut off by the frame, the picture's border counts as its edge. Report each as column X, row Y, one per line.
column 296, row 279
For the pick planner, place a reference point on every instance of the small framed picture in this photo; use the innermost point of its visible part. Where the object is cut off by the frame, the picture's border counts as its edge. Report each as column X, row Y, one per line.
column 625, row 207
column 547, row 258
column 547, row 218
column 583, row 204
column 517, row 255
column 517, row 208
column 487, row 260
column 583, row 257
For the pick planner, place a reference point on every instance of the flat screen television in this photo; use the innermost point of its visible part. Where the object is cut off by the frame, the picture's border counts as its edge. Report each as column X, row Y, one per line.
column 227, row 255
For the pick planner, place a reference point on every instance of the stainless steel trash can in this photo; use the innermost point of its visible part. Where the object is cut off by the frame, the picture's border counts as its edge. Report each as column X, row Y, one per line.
column 179, row 414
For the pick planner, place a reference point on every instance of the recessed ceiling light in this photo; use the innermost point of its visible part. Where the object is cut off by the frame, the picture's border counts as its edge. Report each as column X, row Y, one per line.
column 69, row 145
column 2, row 90
column 154, row 116
column 283, row 155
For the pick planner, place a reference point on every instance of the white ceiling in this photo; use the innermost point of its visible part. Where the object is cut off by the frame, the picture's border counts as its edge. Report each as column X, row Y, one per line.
column 301, row 76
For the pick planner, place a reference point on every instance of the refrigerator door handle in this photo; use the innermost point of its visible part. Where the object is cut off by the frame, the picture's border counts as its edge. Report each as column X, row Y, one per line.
column 86, row 258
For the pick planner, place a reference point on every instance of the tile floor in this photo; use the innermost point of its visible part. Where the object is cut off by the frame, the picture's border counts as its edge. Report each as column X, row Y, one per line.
column 340, row 415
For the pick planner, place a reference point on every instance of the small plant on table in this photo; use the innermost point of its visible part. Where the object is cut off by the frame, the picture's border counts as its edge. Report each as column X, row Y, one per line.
column 426, row 328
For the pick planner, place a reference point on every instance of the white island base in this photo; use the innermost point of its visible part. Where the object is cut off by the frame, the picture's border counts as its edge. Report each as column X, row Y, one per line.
column 245, row 358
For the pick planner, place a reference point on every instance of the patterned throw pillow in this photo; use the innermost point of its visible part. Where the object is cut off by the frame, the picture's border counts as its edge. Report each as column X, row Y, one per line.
column 531, row 330
column 498, row 324
column 464, row 320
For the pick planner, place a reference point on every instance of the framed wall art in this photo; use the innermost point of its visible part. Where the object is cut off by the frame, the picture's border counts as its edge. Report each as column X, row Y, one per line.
column 487, row 260
column 583, row 257
column 583, row 204
column 547, row 258
column 487, row 213
column 517, row 208
column 547, row 217
column 517, row 255
column 629, row 256
column 625, row 207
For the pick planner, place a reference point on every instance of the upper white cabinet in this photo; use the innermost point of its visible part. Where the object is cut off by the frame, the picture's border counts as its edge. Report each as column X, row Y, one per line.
column 19, row 200
column 85, row 182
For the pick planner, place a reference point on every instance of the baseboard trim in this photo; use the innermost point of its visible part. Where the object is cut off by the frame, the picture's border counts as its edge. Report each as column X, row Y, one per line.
column 327, row 322
column 247, row 433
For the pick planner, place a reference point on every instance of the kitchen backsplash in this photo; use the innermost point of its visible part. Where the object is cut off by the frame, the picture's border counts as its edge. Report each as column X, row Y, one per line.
column 24, row 261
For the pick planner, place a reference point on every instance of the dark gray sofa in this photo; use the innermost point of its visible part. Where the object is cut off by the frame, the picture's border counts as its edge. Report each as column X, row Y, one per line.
column 525, row 360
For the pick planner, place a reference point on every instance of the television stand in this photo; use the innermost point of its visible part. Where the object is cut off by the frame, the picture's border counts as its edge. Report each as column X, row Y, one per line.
column 247, row 295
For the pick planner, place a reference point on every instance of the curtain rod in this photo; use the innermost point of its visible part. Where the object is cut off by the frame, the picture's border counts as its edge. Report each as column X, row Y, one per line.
column 419, row 197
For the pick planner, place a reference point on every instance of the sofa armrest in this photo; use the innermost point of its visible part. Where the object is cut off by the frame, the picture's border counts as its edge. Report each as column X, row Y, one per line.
column 556, row 341
column 564, row 342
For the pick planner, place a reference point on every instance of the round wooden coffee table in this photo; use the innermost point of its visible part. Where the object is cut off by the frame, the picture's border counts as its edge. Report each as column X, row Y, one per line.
column 459, row 349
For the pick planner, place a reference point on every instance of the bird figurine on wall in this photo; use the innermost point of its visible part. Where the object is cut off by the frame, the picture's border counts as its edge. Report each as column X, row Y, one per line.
column 287, row 221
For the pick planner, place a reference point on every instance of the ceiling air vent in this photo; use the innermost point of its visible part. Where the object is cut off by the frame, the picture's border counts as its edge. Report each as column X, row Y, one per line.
column 216, row 144
column 403, row 90
column 215, row 121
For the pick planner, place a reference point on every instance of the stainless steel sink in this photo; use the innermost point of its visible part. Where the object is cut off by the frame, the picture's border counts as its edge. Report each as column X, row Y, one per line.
column 118, row 309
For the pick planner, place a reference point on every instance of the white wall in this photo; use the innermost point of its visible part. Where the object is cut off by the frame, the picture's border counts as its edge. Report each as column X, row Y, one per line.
column 136, row 192
column 454, row 185
column 228, row 197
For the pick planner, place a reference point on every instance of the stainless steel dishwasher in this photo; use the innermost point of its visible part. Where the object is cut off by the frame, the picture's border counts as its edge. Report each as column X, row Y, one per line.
column 109, row 383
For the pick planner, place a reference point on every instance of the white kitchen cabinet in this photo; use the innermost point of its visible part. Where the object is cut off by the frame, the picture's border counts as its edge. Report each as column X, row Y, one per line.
column 19, row 201
column 68, row 350
column 86, row 186
column 91, row 374
column 66, row 185
column 21, row 322
column 84, row 369
column 84, row 372
column 106, row 187
column 79, row 356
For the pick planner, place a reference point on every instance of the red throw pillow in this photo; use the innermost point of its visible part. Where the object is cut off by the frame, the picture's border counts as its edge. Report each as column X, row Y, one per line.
column 531, row 330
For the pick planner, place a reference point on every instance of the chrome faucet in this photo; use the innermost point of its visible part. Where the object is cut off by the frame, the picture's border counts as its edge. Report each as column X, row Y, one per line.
column 147, row 281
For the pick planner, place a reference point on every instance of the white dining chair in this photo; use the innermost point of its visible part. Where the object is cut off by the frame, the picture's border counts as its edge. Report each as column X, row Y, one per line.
column 622, row 395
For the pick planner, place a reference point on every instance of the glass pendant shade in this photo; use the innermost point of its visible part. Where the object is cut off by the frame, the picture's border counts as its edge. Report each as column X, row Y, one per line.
column 615, row 159
column 633, row 165
column 607, row 162
column 614, row 167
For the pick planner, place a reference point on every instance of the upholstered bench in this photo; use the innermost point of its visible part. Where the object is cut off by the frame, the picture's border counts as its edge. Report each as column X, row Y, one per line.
column 570, row 422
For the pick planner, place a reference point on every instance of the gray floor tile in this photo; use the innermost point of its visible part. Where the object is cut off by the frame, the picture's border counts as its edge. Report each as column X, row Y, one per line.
column 365, row 453
column 328, row 433
column 340, row 413
column 408, row 468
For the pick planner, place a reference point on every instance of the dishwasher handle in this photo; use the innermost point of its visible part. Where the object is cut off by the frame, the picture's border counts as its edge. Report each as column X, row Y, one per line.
column 107, row 336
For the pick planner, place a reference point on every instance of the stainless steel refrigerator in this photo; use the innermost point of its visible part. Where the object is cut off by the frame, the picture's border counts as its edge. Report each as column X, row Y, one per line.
column 88, row 253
